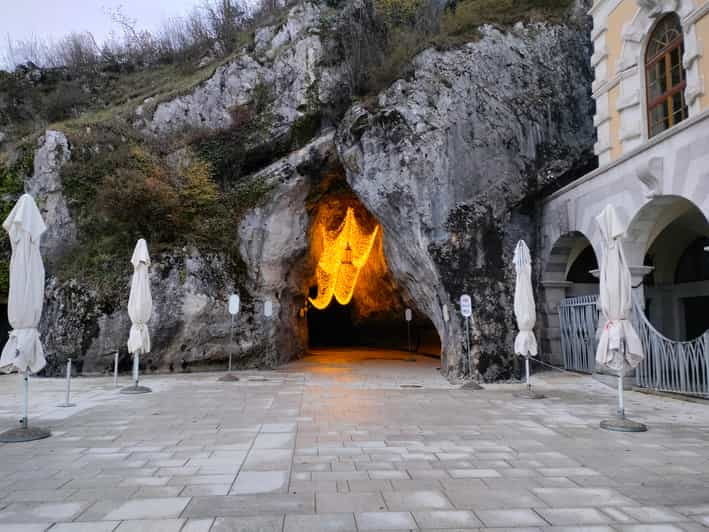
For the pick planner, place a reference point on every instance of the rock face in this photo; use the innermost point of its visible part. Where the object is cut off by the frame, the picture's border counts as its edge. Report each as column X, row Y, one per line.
column 448, row 161
column 45, row 185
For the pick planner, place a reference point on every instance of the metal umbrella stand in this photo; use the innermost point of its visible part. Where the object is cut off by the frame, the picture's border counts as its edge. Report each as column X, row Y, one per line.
column 67, row 402
column 24, row 432
column 529, row 393
column 136, row 387
column 233, row 307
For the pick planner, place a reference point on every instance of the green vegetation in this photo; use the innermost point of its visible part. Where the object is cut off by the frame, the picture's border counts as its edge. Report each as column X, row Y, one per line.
column 120, row 188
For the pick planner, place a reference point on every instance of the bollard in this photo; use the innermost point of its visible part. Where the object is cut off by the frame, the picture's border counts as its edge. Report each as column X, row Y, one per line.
column 115, row 369
column 67, row 403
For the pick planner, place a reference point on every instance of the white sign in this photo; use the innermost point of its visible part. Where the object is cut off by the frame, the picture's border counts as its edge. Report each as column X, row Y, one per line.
column 234, row 304
column 407, row 314
column 268, row 308
column 446, row 316
column 466, row 306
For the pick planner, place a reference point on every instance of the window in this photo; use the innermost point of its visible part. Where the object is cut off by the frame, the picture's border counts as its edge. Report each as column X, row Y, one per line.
column 666, row 77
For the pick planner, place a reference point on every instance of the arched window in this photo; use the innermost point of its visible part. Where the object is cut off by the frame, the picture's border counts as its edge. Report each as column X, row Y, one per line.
column 666, row 77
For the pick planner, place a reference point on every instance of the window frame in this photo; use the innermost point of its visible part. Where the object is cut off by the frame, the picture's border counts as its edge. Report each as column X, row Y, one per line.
column 650, row 63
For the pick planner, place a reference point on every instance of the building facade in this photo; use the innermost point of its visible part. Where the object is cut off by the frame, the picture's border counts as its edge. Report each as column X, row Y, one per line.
column 651, row 61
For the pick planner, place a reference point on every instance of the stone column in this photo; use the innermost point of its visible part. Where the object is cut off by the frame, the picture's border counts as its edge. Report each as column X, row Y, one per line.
column 554, row 292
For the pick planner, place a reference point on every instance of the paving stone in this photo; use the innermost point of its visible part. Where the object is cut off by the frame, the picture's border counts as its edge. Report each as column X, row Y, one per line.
column 510, row 518
column 321, row 522
column 647, row 514
column 415, row 500
column 572, row 497
column 20, row 512
column 260, row 482
column 258, row 523
column 94, row 526
column 449, row 519
column 249, row 505
column 151, row 525
column 349, row 502
column 162, row 508
column 573, row 516
column 385, row 521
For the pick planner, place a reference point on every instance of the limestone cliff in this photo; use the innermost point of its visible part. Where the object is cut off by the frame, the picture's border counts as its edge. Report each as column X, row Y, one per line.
column 449, row 160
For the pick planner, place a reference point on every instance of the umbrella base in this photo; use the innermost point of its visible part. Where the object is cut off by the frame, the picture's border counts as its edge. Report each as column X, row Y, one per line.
column 471, row 385
column 66, row 405
column 228, row 378
column 24, row 434
column 622, row 424
column 135, row 389
column 530, row 394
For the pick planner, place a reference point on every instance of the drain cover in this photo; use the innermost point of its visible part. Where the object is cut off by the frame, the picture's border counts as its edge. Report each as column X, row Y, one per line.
column 410, row 385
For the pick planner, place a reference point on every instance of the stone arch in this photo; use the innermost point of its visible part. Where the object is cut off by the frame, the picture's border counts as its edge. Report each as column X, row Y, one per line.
column 556, row 286
column 657, row 238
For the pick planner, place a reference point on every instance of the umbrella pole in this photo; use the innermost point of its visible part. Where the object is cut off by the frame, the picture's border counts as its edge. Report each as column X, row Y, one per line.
column 526, row 367
column 621, row 407
column 136, row 367
column 26, row 398
column 229, row 377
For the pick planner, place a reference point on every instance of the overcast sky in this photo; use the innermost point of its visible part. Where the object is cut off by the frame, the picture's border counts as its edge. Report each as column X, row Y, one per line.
column 52, row 19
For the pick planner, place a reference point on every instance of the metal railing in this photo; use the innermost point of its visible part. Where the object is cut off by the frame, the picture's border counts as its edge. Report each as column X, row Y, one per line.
column 670, row 365
column 578, row 317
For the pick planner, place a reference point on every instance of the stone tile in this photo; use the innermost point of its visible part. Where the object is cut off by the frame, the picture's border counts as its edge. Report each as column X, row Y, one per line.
column 262, row 523
column 449, row 519
column 649, row 514
column 486, row 499
column 649, row 528
column 249, row 505
column 573, row 497
column 197, row 525
column 163, row 508
column 473, row 473
column 510, row 518
column 321, row 522
column 260, row 482
column 385, row 521
column 151, row 525
column 93, row 526
column 573, row 516
column 200, row 490
column 268, row 460
column 275, row 441
column 415, row 500
column 19, row 512
column 349, row 502
column 25, row 527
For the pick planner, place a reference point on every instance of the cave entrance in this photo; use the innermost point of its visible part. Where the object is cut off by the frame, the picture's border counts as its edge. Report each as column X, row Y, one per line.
column 352, row 298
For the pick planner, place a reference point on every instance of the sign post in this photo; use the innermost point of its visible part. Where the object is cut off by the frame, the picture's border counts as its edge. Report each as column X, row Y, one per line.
column 408, row 316
column 466, row 309
column 233, row 307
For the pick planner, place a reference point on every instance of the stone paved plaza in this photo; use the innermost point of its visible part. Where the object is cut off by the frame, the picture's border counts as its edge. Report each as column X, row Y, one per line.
column 334, row 442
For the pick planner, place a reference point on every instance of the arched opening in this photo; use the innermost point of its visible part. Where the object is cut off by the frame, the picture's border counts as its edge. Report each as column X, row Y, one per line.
column 566, row 274
column 352, row 298
column 665, row 77
column 677, row 290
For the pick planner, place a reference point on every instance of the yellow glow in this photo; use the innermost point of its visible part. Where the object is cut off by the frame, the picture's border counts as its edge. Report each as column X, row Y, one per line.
column 345, row 252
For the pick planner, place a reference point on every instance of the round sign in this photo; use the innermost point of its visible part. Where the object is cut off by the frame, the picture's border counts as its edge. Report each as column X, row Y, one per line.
column 466, row 306
column 234, row 304
column 268, row 308
column 408, row 314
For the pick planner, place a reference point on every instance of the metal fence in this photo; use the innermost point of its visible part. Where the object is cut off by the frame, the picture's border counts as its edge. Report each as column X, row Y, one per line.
column 578, row 318
column 669, row 365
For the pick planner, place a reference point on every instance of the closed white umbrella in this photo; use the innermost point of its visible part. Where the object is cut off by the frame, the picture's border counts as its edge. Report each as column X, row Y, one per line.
column 140, row 307
column 23, row 351
column 619, row 347
column 525, row 310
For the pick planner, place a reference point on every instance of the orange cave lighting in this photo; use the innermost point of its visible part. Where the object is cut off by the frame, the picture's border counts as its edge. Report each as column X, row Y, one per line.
column 345, row 252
